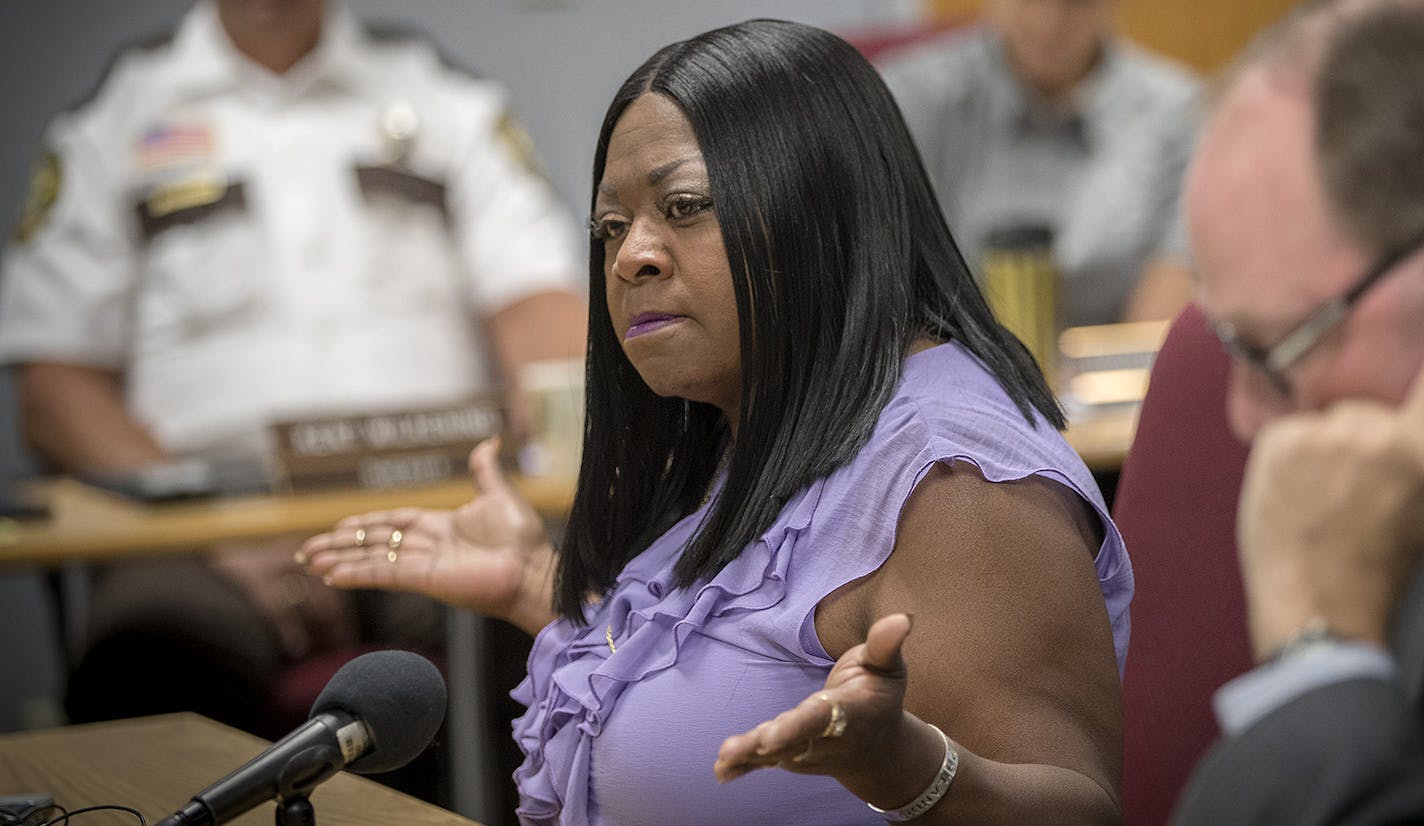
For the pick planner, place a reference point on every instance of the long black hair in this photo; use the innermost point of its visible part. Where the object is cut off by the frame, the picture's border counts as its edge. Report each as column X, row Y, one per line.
column 840, row 260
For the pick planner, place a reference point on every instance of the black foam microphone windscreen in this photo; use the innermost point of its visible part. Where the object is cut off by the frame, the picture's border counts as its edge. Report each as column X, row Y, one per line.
column 399, row 695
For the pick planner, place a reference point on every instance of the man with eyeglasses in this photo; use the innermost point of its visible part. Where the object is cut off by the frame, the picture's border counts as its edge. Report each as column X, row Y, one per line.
column 1306, row 212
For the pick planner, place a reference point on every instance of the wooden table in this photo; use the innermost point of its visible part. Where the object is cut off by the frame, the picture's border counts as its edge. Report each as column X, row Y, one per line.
column 87, row 523
column 1104, row 439
column 1104, row 370
column 156, row 764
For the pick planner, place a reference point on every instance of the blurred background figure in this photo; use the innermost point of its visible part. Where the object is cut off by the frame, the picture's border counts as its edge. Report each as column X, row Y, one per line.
column 1044, row 131
column 1306, row 209
column 271, row 214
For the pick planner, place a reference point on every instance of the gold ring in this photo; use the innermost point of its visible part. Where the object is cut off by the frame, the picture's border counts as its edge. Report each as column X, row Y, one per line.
column 360, row 537
column 394, row 544
column 810, row 744
column 836, row 726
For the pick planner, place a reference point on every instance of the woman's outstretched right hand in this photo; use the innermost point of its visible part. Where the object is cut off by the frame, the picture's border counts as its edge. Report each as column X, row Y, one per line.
column 490, row 556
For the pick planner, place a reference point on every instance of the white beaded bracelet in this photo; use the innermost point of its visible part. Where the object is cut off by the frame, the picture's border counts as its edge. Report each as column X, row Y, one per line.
column 930, row 796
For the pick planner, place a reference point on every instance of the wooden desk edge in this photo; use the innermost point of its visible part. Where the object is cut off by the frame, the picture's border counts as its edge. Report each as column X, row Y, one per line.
column 92, row 525
column 88, row 524
column 207, row 750
column 1103, row 441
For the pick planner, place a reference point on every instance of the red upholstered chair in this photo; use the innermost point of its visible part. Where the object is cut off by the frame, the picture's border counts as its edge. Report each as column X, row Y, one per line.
column 878, row 41
column 299, row 684
column 1176, row 508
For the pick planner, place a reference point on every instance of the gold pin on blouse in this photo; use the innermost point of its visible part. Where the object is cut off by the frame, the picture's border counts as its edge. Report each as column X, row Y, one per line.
column 608, row 635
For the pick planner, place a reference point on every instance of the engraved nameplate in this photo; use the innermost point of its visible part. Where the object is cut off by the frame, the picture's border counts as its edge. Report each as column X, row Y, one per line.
column 383, row 450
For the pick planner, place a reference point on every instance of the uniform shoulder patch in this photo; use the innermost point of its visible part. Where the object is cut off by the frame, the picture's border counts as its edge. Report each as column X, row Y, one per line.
column 516, row 141
column 45, row 181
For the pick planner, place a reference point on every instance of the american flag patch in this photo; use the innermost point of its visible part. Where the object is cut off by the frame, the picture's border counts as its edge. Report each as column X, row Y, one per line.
column 175, row 143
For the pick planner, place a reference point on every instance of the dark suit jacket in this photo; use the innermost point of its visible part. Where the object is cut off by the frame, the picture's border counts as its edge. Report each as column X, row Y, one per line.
column 1349, row 753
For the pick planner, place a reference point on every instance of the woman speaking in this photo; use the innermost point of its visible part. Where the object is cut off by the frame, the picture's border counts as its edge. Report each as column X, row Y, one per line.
column 829, row 559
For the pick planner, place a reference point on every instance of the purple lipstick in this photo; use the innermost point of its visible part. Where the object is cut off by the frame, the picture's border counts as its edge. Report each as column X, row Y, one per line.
column 643, row 323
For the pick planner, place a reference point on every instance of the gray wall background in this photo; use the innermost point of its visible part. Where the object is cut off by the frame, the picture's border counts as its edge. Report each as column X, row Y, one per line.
column 560, row 59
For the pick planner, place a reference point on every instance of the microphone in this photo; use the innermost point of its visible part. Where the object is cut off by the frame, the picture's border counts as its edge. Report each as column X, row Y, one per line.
column 376, row 714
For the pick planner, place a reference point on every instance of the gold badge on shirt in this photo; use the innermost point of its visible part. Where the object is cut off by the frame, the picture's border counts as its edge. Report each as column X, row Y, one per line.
column 187, row 193
column 39, row 201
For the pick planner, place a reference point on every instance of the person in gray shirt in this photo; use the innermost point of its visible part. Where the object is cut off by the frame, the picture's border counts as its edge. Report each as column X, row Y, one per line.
column 1040, row 118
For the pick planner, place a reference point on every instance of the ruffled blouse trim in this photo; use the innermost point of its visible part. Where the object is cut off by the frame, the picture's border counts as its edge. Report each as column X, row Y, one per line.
column 649, row 619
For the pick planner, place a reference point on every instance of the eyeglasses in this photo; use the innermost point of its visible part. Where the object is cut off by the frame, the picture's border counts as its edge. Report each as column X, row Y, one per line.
column 1275, row 361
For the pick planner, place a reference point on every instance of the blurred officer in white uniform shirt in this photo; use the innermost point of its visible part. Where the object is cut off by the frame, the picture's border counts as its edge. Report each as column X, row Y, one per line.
column 273, row 214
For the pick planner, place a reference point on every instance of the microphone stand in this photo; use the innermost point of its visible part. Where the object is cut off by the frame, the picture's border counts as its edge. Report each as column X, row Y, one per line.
column 298, row 779
column 295, row 811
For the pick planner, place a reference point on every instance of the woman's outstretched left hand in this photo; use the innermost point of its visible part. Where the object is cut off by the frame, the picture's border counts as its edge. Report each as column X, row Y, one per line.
column 845, row 730
column 490, row 556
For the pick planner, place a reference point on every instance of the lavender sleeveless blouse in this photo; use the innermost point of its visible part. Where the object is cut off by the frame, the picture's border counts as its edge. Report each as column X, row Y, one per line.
column 630, row 736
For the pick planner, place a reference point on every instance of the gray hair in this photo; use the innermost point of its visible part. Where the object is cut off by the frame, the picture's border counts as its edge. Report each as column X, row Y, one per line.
column 1369, row 104
column 1362, row 64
